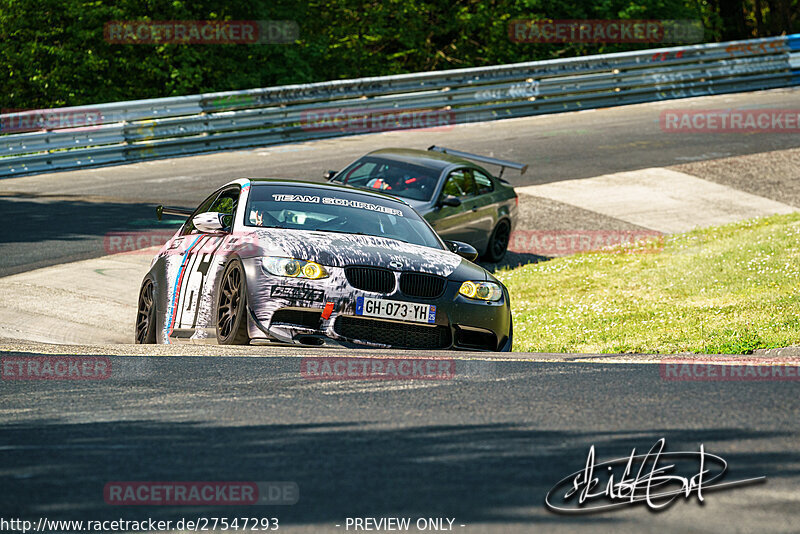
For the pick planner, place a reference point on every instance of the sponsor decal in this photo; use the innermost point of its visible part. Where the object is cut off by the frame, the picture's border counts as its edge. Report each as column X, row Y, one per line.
column 605, row 31
column 566, row 242
column 309, row 199
column 55, row 367
column 297, row 293
column 345, row 368
column 730, row 121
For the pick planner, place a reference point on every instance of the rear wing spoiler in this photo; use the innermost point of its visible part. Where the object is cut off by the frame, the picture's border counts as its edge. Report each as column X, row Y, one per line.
column 171, row 210
column 521, row 167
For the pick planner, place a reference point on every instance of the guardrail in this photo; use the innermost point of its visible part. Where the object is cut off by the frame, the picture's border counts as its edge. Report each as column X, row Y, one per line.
column 122, row 132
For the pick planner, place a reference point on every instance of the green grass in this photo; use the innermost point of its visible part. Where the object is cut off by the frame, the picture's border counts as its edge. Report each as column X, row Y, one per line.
column 721, row 290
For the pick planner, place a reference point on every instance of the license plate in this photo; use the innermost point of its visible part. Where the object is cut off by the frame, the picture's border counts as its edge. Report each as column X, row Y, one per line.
column 395, row 309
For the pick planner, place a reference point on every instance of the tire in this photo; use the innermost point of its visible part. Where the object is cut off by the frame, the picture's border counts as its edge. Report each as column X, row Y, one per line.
column 146, row 315
column 231, row 308
column 498, row 244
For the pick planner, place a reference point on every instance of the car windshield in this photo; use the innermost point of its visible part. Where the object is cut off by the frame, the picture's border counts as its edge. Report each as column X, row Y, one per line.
column 339, row 211
column 392, row 177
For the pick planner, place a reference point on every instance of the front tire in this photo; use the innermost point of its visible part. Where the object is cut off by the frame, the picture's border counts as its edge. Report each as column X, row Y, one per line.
column 498, row 244
column 146, row 315
column 232, row 307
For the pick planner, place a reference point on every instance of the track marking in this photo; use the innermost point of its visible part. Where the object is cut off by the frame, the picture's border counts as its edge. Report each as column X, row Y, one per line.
column 659, row 199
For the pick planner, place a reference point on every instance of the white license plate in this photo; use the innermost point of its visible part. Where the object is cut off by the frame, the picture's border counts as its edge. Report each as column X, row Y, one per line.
column 395, row 309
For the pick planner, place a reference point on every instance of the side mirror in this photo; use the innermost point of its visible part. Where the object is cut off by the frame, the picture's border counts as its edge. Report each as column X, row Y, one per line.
column 465, row 250
column 449, row 200
column 211, row 222
column 328, row 175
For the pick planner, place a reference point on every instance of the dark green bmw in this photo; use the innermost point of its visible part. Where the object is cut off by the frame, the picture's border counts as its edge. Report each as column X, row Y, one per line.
column 461, row 200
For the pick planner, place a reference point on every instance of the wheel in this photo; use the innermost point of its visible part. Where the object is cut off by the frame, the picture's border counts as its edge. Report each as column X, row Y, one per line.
column 498, row 244
column 232, row 307
column 146, row 315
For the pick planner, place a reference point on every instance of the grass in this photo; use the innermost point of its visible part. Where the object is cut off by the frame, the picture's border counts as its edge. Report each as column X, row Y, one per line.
column 722, row 290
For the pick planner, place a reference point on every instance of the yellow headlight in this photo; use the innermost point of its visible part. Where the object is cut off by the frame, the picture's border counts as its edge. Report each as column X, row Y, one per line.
column 468, row 289
column 313, row 270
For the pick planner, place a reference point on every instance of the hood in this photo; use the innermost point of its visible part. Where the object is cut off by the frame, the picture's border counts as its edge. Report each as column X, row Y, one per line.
column 341, row 250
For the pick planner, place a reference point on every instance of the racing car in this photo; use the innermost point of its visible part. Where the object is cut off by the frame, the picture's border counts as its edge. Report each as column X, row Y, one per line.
column 460, row 199
column 278, row 261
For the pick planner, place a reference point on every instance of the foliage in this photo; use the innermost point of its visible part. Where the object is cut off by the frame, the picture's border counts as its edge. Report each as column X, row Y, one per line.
column 53, row 52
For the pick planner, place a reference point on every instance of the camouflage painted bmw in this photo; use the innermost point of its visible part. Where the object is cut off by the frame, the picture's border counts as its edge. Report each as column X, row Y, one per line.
column 276, row 261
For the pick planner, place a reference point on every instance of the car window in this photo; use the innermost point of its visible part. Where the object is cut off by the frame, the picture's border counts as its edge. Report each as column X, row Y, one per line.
column 223, row 202
column 226, row 203
column 336, row 211
column 460, row 183
column 357, row 174
column 483, row 183
column 396, row 178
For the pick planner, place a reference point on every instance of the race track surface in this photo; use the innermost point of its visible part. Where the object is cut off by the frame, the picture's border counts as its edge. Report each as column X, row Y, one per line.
column 484, row 447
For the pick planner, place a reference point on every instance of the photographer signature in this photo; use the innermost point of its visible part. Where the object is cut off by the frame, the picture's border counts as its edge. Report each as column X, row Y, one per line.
column 656, row 485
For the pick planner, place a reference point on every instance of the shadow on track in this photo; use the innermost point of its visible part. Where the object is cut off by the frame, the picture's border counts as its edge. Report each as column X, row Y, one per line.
column 477, row 473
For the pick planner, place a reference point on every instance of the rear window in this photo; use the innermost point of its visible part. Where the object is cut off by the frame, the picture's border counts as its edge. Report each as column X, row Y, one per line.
column 330, row 210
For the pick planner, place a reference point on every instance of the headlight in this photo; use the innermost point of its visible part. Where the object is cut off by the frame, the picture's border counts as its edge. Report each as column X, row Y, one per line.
column 481, row 290
column 294, row 268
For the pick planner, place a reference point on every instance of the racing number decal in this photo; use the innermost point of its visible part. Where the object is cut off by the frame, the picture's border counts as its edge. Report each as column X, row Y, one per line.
column 196, row 289
column 190, row 283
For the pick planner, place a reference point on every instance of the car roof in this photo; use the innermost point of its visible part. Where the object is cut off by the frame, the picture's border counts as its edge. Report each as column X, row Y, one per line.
column 325, row 186
column 425, row 158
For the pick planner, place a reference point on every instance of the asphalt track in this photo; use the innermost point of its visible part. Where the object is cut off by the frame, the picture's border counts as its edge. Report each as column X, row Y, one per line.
column 483, row 448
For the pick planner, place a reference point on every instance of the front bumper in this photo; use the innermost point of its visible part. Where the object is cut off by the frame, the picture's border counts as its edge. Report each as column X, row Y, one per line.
column 323, row 312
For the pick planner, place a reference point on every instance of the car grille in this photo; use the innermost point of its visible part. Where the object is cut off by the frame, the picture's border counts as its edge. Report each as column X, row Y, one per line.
column 399, row 335
column 426, row 286
column 372, row 279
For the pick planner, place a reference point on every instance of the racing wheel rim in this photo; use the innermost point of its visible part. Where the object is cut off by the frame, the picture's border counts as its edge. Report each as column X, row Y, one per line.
column 229, row 302
column 144, row 313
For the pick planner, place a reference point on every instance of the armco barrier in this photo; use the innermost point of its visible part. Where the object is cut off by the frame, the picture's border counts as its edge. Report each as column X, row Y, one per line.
column 144, row 129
